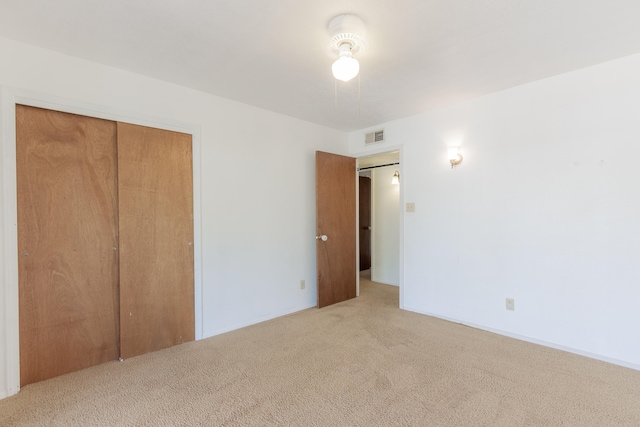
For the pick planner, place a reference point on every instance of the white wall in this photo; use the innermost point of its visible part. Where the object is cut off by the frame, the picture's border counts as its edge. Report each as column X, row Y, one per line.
column 385, row 203
column 544, row 208
column 257, row 188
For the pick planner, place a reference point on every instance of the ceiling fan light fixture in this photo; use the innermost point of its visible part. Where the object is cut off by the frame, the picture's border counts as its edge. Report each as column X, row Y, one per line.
column 346, row 67
column 347, row 38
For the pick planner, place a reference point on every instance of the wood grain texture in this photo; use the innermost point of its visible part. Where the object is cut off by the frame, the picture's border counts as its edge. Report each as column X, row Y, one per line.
column 67, row 268
column 156, row 239
column 365, row 222
column 336, row 218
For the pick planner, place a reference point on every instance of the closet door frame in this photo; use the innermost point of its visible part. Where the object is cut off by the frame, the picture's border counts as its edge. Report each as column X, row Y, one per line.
column 9, row 97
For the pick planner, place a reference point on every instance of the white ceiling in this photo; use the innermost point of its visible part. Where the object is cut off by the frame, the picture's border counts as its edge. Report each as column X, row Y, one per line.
column 422, row 54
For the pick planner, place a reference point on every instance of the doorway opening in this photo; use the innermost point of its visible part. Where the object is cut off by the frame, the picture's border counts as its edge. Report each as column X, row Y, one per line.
column 379, row 218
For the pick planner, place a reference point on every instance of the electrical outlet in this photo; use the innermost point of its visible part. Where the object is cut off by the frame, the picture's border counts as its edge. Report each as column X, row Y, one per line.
column 411, row 207
column 510, row 304
column 302, row 284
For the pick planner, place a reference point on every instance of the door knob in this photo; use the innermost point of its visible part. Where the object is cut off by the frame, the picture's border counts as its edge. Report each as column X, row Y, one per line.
column 322, row 237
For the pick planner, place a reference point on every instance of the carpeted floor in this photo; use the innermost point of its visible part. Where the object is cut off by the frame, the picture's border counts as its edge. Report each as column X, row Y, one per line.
column 363, row 362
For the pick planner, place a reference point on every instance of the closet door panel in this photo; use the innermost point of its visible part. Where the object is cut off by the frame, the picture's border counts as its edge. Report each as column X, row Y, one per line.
column 156, row 239
column 67, row 232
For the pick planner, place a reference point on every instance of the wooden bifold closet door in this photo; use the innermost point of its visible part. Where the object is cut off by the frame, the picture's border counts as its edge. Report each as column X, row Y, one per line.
column 104, row 225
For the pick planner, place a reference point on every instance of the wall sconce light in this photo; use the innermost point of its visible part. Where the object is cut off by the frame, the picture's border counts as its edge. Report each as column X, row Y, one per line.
column 396, row 178
column 454, row 157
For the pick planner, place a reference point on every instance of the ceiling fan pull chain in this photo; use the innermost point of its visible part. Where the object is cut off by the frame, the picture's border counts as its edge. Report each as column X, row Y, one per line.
column 359, row 94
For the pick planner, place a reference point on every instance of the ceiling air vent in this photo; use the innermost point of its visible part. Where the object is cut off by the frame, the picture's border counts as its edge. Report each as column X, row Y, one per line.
column 373, row 137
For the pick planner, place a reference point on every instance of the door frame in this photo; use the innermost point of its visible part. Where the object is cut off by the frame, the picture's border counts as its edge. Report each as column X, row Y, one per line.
column 375, row 152
column 9, row 97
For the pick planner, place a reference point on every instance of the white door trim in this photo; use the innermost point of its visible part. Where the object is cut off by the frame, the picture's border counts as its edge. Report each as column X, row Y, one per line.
column 9, row 97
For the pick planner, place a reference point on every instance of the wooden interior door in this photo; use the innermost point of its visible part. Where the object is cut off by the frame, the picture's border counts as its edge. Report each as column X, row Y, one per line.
column 365, row 222
column 335, row 219
column 156, row 239
column 67, row 266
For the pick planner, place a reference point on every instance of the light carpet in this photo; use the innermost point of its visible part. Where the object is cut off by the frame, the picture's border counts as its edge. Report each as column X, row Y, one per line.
column 363, row 362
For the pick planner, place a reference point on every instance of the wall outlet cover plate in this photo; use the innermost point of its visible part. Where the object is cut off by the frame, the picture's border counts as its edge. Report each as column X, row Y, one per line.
column 510, row 304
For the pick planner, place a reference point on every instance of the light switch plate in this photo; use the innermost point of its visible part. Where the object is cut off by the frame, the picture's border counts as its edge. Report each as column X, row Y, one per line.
column 411, row 207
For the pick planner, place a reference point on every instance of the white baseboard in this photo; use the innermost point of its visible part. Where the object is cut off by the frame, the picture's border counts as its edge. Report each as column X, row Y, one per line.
column 535, row 341
column 259, row 320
